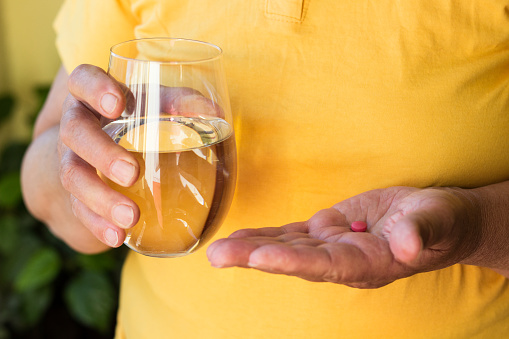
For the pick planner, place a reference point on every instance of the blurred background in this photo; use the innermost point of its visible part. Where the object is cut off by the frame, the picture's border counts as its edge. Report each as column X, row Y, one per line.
column 46, row 289
column 28, row 57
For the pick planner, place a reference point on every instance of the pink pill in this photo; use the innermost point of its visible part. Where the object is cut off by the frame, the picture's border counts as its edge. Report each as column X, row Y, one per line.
column 359, row 226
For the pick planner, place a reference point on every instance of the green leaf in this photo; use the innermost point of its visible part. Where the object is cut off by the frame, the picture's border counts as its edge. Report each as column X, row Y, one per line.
column 10, row 190
column 10, row 307
column 40, row 270
column 9, row 234
column 11, row 312
column 12, row 265
column 97, row 262
column 35, row 303
column 12, row 156
column 4, row 333
column 26, row 221
column 6, row 107
column 91, row 299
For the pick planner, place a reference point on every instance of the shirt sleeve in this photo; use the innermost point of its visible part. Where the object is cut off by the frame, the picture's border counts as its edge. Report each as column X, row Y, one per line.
column 86, row 30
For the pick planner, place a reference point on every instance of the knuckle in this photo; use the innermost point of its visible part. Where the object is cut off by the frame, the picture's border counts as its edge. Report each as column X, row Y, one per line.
column 69, row 174
column 79, row 69
column 61, row 148
column 70, row 126
column 74, row 205
column 332, row 276
column 333, row 273
column 77, row 74
column 322, row 218
column 70, row 102
column 84, row 78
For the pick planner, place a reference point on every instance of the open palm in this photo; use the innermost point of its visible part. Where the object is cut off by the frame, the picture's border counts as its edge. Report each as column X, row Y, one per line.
column 410, row 230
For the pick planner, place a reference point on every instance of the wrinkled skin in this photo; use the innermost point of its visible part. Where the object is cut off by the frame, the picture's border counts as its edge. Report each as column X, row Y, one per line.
column 410, row 230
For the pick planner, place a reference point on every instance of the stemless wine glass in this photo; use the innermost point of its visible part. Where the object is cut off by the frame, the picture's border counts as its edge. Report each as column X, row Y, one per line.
column 178, row 125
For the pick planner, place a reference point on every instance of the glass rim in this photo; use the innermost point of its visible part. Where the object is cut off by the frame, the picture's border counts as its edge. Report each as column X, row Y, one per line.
column 167, row 39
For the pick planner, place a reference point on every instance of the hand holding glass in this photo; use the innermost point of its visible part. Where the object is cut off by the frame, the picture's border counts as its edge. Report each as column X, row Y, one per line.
column 178, row 125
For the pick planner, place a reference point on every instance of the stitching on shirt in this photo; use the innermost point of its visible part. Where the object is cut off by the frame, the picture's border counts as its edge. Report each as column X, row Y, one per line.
column 280, row 17
column 286, row 18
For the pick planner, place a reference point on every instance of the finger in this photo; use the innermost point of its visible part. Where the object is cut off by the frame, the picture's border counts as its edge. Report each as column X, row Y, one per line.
column 230, row 252
column 81, row 132
column 405, row 241
column 328, row 224
column 311, row 259
column 298, row 227
column 236, row 251
column 106, row 232
column 416, row 232
column 92, row 86
column 81, row 180
column 327, row 262
column 293, row 238
column 189, row 102
column 258, row 232
column 303, row 261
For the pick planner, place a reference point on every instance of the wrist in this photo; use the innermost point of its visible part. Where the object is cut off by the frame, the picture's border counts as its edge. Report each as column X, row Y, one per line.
column 488, row 221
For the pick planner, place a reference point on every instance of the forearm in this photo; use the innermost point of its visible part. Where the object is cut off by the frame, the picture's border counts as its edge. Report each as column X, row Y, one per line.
column 492, row 206
column 47, row 200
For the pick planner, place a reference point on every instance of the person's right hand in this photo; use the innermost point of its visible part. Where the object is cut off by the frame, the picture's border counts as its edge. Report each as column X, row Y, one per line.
column 85, row 149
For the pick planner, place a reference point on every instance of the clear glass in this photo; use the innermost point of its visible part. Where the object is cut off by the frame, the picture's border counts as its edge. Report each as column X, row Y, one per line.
column 178, row 125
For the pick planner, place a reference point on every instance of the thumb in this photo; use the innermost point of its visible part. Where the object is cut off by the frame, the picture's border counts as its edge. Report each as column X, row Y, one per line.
column 415, row 232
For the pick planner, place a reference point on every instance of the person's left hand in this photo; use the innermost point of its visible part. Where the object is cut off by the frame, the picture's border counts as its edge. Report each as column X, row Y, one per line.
column 410, row 231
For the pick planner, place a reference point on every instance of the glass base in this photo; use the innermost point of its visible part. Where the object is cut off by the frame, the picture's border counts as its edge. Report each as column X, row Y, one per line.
column 162, row 254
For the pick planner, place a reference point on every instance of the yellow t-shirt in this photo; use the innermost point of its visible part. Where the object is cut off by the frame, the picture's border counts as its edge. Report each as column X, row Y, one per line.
column 331, row 98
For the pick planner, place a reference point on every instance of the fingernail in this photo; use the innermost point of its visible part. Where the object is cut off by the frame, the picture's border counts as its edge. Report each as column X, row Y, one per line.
column 109, row 102
column 111, row 237
column 123, row 215
column 122, row 171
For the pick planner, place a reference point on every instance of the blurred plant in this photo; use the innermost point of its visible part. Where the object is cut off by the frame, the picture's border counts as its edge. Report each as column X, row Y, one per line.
column 46, row 288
